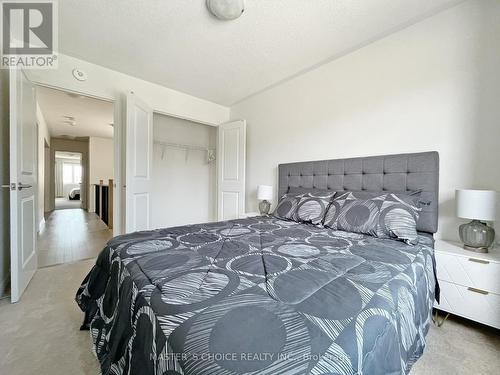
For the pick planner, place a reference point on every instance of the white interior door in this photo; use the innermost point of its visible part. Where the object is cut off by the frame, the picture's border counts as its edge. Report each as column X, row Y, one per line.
column 139, row 162
column 231, row 154
column 23, row 182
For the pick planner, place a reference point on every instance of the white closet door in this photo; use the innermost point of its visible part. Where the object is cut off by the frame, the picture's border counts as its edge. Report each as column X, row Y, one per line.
column 139, row 163
column 23, row 182
column 231, row 155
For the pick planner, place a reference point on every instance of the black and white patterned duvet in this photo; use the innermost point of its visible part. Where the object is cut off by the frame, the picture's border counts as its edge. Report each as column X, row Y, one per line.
column 258, row 296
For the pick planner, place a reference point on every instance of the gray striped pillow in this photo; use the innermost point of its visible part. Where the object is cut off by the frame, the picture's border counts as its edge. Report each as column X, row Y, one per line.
column 398, row 218
column 287, row 206
column 312, row 207
column 387, row 215
column 351, row 214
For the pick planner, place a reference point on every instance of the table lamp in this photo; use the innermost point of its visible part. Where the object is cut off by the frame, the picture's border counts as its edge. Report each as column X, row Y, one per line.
column 479, row 206
column 264, row 194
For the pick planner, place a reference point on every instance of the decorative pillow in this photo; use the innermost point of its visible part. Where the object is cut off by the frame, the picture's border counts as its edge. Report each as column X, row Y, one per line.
column 287, row 205
column 312, row 207
column 351, row 214
column 385, row 216
column 398, row 218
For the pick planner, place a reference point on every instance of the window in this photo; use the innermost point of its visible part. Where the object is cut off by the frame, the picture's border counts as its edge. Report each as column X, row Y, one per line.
column 72, row 173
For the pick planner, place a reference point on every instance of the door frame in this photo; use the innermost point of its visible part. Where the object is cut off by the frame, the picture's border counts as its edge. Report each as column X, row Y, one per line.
column 118, row 152
column 84, row 163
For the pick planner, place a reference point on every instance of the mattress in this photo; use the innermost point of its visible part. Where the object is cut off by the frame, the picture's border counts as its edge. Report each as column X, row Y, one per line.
column 258, row 296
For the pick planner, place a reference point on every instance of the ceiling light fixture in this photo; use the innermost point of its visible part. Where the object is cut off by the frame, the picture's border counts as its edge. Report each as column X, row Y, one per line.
column 226, row 9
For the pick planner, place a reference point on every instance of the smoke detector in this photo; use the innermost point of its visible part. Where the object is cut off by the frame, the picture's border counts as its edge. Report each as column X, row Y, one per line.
column 79, row 75
column 226, row 9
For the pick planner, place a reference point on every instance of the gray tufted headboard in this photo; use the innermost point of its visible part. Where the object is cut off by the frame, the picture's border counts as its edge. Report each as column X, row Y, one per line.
column 395, row 173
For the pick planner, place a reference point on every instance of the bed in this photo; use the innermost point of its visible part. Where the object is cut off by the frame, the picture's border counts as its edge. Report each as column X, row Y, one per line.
column 268, row 296
column 74, row 194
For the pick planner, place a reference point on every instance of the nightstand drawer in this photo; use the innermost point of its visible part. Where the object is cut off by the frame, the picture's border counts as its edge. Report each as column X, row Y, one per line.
column 468, row 271
column 470, row 303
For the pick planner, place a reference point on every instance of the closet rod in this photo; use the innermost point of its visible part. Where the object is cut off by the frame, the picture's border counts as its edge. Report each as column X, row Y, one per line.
column 185, row 147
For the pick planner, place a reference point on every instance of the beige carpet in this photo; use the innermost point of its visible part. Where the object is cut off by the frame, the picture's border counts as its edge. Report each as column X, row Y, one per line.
column 40, row 335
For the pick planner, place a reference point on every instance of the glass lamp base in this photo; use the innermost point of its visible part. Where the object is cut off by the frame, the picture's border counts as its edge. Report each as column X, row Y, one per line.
column 264, row 207
column 476, row 236
column 476, row 249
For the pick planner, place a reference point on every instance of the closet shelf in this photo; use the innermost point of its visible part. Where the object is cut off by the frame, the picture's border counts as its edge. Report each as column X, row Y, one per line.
column 210, row 151
column 183, row 146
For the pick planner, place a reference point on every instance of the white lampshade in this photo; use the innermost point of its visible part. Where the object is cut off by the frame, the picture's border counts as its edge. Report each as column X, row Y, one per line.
column 264, row 192
column 476, row 204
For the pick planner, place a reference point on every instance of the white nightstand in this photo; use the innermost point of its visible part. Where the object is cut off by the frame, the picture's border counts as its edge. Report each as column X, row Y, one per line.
column 470, row 282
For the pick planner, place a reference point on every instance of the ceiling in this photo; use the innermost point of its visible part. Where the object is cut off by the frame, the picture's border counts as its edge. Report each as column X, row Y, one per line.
column 178, row 44
column 92, row 117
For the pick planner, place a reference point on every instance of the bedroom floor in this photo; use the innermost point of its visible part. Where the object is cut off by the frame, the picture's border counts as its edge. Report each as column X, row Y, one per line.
column 41, row 334
column 71, row 235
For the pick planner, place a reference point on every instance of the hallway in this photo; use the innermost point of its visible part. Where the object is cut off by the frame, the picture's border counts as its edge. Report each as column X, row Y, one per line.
column 65, row 203
column 70, row 235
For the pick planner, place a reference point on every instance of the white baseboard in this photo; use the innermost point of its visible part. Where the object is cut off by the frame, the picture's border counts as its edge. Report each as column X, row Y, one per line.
column 41, row 225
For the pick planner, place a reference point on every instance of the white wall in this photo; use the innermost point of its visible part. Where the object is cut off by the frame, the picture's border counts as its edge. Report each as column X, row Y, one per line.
column 101, row 164
column 47, row 180
column 43, row 137
column 184, row 182
column 101, row 159
column 432, row 86
column 110, row 84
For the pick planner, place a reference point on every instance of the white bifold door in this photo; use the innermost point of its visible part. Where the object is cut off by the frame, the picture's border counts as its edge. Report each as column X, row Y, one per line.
column 139, row 164
column 23, row 182
column 231, row 154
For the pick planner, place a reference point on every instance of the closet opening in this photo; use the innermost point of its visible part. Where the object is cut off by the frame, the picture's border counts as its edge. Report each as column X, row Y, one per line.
column 184, row 172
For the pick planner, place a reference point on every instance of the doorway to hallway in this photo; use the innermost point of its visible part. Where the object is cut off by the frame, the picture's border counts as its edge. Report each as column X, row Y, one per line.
column 68, row 172
column 70, row 235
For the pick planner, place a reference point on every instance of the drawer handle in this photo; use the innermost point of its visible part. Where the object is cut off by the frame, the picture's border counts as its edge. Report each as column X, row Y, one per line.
column 478, row 291
column 478, row 261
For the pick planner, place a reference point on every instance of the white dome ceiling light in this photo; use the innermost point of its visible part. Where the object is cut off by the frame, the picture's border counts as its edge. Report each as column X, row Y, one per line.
column 226, row 9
